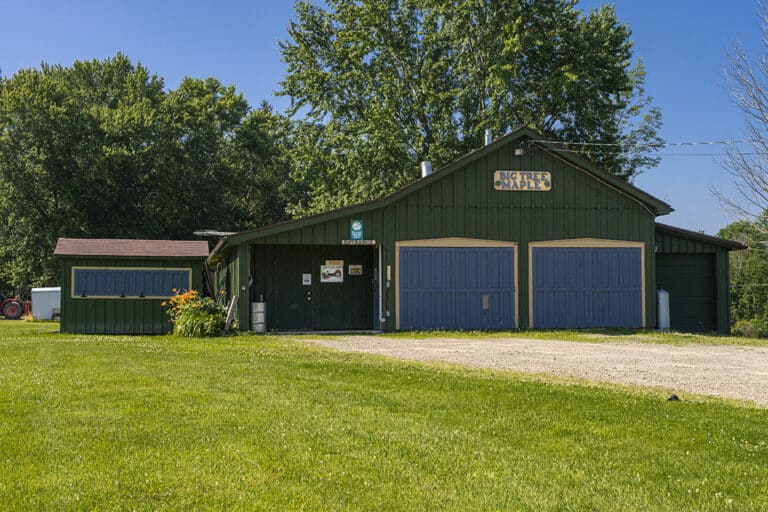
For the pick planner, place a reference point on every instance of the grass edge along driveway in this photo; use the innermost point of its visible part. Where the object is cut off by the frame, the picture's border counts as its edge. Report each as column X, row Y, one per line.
column 265, row 423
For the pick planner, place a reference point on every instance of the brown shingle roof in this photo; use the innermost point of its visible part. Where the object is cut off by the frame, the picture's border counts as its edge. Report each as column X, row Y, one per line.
column 131, row 248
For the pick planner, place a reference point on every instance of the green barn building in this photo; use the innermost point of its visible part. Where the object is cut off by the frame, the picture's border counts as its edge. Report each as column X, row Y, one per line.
column 515, row 235
column 117, row 286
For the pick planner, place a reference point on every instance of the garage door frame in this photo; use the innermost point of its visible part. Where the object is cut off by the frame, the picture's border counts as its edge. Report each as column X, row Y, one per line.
column 457, row 243
column 586, row 243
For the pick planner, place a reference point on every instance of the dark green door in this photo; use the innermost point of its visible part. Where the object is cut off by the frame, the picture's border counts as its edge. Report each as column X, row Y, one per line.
column 290, row 304
column 691, row 283
column 299, row 298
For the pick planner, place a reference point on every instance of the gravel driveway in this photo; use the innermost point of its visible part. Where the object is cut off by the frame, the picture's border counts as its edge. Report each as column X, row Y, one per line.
column 726, row 371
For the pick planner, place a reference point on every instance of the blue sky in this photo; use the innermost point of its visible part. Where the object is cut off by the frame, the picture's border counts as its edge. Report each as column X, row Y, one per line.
column 683, row 44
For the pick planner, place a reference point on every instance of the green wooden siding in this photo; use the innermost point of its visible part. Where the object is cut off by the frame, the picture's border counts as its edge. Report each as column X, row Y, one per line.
column 463, row 203
column 291, row 305
column 690, row 281
column 117, row 316
column 669, row 277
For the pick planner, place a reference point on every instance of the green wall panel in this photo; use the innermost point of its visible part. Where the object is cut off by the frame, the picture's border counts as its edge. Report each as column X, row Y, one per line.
column 117, row 316
column 291, row 305
column 464, row 204
column 667, row 243
column 690, row 280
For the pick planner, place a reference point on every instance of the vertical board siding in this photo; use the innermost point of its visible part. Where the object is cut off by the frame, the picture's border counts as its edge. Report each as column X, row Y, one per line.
column 671, row 244
column 277, row 272
column 587, row 287
column 444, row 288
column 464, row 204
column 119, row 315
column 690, row 281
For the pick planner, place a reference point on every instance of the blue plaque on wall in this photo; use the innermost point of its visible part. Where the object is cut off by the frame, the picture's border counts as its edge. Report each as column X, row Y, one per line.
column 356, row 229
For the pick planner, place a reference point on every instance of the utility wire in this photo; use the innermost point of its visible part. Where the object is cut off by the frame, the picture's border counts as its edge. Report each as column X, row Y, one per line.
column 748, row 153
column 654, row 145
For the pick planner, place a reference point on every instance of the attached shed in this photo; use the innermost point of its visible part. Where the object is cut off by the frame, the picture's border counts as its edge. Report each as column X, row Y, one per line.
column 515, row 235
column 693, row 268
column 117, row 286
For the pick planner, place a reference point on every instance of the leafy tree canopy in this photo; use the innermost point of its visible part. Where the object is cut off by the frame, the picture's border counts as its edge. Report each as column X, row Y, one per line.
column 102, row 149
column 389, row 83
column 749, row 269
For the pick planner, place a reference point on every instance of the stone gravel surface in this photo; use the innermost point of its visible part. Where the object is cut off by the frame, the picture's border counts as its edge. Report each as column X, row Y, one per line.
column 725, row 371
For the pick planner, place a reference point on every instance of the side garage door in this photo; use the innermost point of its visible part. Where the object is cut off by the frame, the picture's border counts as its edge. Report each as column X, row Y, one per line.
column 585, row 287
column 691, row 283
column 457, row 287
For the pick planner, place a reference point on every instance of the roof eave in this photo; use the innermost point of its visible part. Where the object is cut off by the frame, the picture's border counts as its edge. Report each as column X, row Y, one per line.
column 656, row 206
column 731, row 245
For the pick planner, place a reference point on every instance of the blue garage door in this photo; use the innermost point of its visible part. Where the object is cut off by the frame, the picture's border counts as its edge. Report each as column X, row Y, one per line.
column 587, row 287
column 457, row 288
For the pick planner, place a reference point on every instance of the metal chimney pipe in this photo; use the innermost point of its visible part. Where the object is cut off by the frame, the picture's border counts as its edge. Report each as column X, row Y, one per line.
column 488, row 137
column 426, row 168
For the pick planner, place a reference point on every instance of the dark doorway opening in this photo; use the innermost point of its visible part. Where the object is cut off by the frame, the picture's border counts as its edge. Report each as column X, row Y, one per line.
column 315, row 287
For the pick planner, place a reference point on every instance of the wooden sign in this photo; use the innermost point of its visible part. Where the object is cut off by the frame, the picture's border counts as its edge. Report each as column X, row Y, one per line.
column 534, row 181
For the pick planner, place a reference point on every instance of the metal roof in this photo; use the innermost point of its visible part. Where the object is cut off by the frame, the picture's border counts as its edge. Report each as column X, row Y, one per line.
column 655, row 205
column 121, row 247
column 715, row 240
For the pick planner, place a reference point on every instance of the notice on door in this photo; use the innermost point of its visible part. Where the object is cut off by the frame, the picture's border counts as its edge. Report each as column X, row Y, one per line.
column 306, row 279
column 332, row 273
column 355, row 270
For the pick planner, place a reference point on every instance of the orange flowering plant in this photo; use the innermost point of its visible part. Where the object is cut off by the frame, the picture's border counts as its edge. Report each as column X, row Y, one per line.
column 193, row 315
column 176, row 303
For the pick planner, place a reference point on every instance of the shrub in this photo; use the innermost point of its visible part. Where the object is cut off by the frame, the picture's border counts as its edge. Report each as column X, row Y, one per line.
column 754, row 328
column 195, row 316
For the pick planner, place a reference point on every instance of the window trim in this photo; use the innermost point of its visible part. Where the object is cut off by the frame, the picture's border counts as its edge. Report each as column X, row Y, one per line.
column 74, row 295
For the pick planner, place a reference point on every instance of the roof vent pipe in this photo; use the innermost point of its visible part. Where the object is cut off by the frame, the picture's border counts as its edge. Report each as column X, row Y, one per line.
column 426, row 168
column 488, row 137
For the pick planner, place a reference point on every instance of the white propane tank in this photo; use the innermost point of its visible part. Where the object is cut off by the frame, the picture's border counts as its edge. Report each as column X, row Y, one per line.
column 259, row 317
column 662, row 300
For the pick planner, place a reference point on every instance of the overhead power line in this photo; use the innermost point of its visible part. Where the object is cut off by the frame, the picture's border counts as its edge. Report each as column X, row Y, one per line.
column 654, row 145
column 747, row 153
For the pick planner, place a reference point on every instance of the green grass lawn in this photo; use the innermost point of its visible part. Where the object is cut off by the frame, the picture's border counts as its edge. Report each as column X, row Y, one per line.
column 266, row 423
column 598, row 336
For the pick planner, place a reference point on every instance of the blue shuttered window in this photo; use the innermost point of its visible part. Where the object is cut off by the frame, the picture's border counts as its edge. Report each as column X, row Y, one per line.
column 129, row 283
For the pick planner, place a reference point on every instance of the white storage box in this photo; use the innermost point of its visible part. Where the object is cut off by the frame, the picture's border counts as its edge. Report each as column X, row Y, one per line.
column 45, row 301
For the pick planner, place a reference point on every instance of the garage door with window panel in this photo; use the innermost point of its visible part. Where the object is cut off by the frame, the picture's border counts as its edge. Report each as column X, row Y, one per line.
column 587, row 287
column 457, row 287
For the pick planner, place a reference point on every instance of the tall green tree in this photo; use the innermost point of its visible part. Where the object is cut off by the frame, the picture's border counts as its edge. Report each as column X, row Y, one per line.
column 389, row 83
column 749, row 269
column 102, row 149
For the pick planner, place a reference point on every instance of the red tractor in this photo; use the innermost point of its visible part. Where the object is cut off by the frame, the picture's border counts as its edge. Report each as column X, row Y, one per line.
column 11, row 307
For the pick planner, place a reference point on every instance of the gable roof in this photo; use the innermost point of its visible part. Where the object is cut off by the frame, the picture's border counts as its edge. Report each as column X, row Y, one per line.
column 121, row 247
column 654, row 205
column 714, row 240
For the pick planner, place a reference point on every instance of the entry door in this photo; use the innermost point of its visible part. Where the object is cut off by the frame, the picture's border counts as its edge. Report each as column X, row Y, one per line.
column 457, row 288
column 585, row 287
column 298, row 298
column 292, row 306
